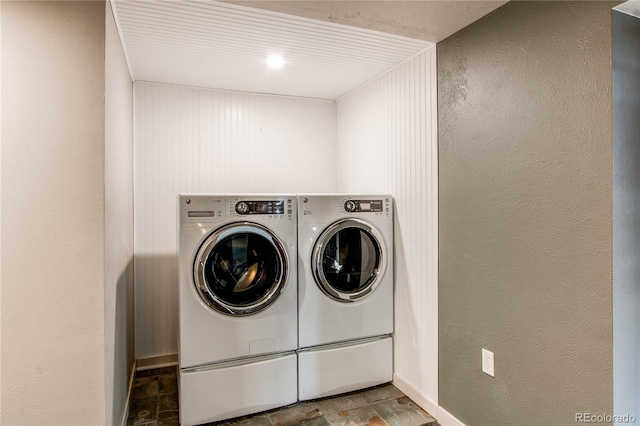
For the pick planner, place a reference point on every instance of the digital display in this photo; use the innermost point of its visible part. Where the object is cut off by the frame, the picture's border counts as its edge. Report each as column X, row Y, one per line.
column 201, row 214
column 260, row 207
column 365, row 206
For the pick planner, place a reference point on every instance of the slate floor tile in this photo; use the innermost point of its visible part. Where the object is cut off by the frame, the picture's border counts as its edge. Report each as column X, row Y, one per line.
column 295, row 414
column 143, row 411
column 340, row 403
column 167, row 385
column 154, row 402
column 318, row 421
column 168, row 402
column 144, row 387
column 167, row 371
column 259, row 420
column 147, row 373
column 356, row 417
column 401, row 412
column 169, row 421
column 168, row 414
column 381, row 393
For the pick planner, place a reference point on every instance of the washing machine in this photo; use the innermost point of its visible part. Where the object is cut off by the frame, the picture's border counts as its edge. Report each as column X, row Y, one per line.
column 345, row 293
column 237, row 305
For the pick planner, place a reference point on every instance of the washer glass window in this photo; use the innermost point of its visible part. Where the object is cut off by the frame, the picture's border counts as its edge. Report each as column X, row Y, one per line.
column 240, row 269
column 349, row 260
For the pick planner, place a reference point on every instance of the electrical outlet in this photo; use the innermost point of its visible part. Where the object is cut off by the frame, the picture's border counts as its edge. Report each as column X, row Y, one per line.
column 487, row 362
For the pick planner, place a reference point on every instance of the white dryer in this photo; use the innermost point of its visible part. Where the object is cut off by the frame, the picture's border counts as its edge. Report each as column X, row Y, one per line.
column 345, row 293
column 238, row 305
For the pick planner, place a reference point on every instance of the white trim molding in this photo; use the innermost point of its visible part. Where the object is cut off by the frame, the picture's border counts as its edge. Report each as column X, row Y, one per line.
column 157, row 362
column 447, row 419
column 416, row 396
column 127, row 404
column 443, row 417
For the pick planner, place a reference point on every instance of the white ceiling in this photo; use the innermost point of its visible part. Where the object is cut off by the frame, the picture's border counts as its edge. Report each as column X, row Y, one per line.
column 225, row 46
column 631, row 7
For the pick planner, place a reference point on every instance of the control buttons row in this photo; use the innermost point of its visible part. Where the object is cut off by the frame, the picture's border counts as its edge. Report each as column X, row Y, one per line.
column 267, row 207
column 365, row 206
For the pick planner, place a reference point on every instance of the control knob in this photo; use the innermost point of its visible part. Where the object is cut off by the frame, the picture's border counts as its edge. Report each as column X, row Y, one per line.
column 242, row 207
column 350, row 206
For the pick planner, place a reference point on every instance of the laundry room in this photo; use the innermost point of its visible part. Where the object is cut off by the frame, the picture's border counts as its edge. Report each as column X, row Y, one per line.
column 347, row 110
column 239, row 142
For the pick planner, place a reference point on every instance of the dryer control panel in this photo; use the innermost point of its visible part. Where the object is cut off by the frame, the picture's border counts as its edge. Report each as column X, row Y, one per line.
column 364, row 206
column 260, row 207
column 327, row 208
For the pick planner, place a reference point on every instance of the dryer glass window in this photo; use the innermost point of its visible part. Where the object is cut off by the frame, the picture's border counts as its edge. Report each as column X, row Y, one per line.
column 351, row 260
column 241, row 269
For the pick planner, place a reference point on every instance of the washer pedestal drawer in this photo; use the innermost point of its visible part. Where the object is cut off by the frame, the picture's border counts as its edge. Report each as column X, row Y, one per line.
column 237, row 388
column 345, row 367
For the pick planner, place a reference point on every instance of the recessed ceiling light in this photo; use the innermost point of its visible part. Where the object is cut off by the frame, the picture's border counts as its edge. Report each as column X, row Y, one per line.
column 275, row 61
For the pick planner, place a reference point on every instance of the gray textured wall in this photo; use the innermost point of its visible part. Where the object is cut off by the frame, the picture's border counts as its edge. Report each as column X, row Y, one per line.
column 525, row 214
column 626, row 213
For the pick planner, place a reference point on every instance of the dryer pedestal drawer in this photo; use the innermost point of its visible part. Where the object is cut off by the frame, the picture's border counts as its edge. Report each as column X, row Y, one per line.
column 233, row 389
column 334, row 369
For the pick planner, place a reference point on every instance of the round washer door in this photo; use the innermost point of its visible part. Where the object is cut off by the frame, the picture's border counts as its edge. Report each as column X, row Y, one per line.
column 240, row 269
column 349, row 260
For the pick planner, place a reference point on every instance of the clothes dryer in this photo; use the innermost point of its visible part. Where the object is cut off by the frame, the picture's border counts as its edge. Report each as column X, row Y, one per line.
column 345, row 293
column 238, row 305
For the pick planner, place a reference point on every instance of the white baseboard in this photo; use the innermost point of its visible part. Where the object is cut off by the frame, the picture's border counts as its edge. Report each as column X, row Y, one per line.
column 157, row 362
column 407, row 388
column 443, row 417
column 447, row 419
column 130, row 388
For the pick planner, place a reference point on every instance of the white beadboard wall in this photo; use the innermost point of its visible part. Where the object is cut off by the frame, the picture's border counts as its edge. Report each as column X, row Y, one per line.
column 201, row 140
column 387, row 142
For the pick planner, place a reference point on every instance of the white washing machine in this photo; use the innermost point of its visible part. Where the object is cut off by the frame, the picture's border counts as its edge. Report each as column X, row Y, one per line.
column 345, row 293
column 238, row 305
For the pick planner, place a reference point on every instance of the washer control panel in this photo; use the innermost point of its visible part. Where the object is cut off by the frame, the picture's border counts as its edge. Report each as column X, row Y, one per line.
column 260, row 207
column 283, row 208
column 364, row 206
column 202, row 209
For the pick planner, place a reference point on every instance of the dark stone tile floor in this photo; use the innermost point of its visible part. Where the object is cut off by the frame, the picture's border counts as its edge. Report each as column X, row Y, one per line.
column 154, row 402
column 154, row 398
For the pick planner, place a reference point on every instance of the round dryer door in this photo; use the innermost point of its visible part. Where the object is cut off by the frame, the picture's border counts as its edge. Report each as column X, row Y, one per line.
column 349, row 260
column 240, row 269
